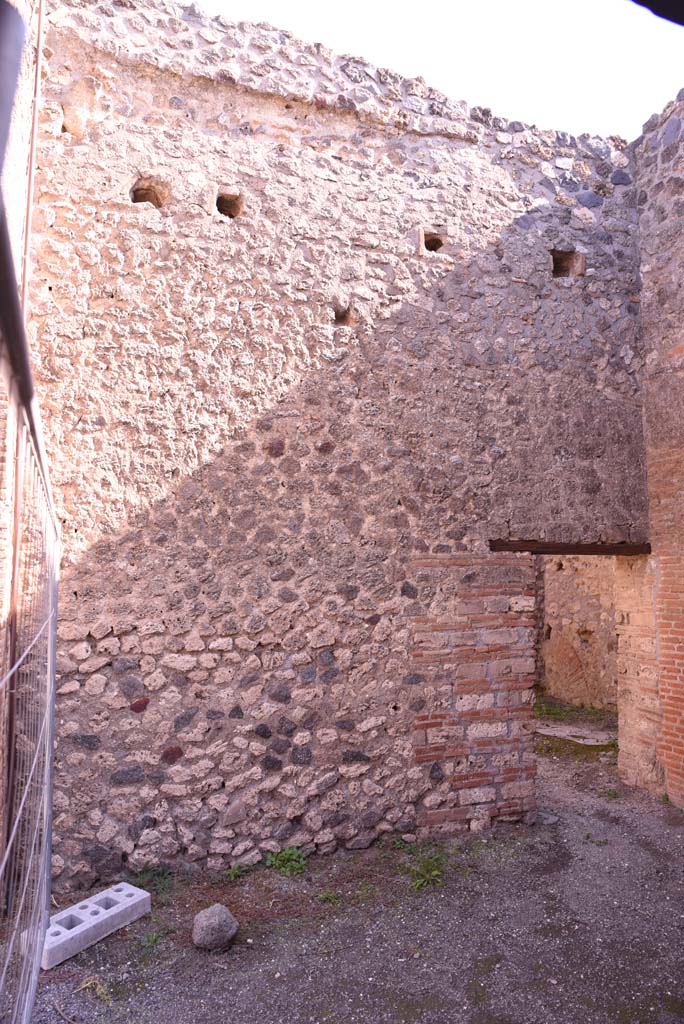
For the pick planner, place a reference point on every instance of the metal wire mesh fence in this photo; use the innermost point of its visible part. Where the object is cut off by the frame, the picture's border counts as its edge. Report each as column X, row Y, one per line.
column 28, row 578
column 29, row 554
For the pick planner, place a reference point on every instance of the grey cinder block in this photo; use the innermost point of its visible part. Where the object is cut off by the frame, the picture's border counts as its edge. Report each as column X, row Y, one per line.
column 91, row 919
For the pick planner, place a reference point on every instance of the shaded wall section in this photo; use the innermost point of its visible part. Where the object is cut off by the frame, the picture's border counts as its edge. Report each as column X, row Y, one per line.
column 285, row 432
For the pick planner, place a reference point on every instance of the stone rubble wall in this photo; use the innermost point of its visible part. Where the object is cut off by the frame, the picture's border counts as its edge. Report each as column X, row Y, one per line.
column 579, row 638
column 659, row 155
column 185, row 42
column 281, row 441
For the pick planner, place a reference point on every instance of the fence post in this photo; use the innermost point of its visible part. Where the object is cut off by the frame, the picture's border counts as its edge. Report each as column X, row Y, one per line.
column 13, row 636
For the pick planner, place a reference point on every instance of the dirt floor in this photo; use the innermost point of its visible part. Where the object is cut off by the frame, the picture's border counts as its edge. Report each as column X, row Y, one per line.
column 577, row 920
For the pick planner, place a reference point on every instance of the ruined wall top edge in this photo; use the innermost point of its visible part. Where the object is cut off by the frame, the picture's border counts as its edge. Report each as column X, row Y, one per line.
column 186, row 41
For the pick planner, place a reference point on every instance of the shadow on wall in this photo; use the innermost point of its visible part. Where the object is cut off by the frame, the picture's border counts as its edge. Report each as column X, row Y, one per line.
column 236, row 664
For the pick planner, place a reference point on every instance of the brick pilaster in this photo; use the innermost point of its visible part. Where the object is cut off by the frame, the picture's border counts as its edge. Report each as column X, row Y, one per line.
column 474, row 655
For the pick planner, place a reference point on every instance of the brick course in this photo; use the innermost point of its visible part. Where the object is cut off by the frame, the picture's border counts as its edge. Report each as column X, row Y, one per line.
column 491, row 709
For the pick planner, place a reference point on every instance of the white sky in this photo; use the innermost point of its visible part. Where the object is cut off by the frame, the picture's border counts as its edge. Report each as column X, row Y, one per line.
column 599, row 66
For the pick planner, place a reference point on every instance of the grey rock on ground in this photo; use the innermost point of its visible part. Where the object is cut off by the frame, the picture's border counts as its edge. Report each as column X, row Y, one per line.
column 214, row 928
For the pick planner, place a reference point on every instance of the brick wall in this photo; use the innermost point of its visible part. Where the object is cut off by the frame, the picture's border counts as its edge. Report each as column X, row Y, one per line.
column 476, row 654
column 666, row 487
column 659, row 157
column 638, row 697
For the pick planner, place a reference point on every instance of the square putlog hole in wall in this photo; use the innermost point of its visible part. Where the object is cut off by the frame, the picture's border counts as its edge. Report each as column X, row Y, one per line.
column 229, row 204
column 344, row 316
column 150, row 190
column 433, row 240
column 568, row 263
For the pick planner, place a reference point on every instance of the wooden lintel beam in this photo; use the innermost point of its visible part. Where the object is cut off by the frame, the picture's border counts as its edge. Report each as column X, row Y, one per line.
column 548, row 547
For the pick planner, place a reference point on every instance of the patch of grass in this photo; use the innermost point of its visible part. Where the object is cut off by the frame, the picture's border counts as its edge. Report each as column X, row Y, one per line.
column 288, row 862
column 329, row 897
column 544, row 708
column 612, row 794
column 237, row 872
column 428, row 869
column 549, row 707
column 154, row 878
column 664, row 799
column 151, row 940
column 99, row 990
column 400, row 844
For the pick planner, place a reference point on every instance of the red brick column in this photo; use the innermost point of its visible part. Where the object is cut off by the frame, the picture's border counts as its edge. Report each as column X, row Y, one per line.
column 639, row 707
column 473, row 657
column 659, row 166
column 666, row 492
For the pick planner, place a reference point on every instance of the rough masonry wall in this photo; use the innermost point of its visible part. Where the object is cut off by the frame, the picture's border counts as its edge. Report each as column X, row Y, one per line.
column 579, row 661
column 659, row 155
column 281, row 440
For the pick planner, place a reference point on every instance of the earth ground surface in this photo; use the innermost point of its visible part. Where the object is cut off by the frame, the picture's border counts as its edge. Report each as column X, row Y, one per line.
column 579, row 918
